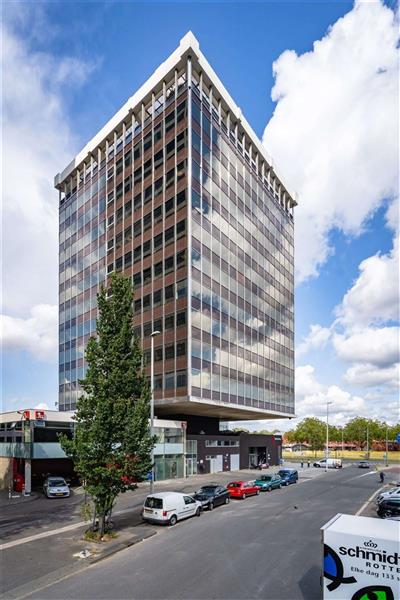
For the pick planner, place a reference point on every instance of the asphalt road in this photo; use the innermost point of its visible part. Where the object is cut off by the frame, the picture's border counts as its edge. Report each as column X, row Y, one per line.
column 266, row 547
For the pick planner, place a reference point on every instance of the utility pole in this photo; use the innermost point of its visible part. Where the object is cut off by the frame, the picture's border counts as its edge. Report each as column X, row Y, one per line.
column 342, row 441
column 367, row 441
column 327, row 436
column 387, row 446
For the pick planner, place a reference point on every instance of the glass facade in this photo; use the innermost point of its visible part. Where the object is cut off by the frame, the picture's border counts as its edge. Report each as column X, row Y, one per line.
column 180, row 198
column 242, row 313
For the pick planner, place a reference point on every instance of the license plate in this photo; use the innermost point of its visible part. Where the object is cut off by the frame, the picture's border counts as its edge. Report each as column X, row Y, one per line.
column 59, row 494
column 148, row 510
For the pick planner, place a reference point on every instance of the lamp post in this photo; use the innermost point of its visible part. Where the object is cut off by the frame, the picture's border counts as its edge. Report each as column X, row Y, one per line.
column 152, row 336
column 342, row 441
column 327, row 436
column 367, row 455
column 387, row 446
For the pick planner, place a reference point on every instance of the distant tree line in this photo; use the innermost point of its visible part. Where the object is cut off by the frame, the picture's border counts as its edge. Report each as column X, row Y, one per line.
column 312, row 431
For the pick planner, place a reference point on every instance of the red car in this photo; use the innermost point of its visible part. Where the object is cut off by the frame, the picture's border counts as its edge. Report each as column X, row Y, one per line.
column 242, row 489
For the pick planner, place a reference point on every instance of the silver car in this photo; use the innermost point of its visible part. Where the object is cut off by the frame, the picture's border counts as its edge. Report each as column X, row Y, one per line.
column 56, row 487
column 393, row 493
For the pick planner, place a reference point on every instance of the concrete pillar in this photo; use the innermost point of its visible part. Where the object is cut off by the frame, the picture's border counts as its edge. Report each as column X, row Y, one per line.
column 28, row 476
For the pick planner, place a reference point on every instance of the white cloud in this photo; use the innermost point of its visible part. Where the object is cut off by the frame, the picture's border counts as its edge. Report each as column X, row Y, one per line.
column 43, row 406
column 312, row 396
column 369, row 375
column 39, row 143
column 37, row 334
column 374, row 297
column 379, row 346
column 333, row 134
column 318, row 337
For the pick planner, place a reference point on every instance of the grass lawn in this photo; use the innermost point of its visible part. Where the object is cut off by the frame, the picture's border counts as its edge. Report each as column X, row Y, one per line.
column 393, row 457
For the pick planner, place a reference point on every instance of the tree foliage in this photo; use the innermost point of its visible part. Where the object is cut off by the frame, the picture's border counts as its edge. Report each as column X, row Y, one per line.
column 313, row 431
column 112, row 442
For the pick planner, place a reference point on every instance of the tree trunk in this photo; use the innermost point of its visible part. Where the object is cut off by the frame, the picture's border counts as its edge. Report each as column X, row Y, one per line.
column 101, row 523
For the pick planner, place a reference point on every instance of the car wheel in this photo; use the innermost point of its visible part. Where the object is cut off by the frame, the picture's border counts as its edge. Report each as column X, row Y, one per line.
column 244, row 497
column 257, row 492
column 227, row 500
column 211, row 506
column 269, row 489
column 173, row 520
column 198, row 512
column 386, row 514
column 279, row 486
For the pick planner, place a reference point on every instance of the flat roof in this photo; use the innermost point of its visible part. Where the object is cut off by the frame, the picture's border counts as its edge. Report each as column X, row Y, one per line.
column 189, row 46
column 68, row 417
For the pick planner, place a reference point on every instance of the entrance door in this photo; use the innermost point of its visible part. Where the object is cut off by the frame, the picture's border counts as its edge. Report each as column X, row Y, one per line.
column 216, row 464
column 235, row 462
column 191, row 467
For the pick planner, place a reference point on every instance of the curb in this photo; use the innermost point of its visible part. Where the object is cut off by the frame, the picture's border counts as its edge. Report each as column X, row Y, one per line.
column 120, row 546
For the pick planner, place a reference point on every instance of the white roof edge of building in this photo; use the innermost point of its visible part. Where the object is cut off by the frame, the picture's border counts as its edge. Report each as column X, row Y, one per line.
column 188, row 42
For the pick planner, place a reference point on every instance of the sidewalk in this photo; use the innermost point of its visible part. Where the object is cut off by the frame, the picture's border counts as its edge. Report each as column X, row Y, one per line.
column 16, row 498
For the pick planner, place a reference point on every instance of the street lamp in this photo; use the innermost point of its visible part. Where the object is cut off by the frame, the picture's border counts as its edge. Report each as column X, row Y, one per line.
column 327, row 435
column 387, row 446
column 152, row 336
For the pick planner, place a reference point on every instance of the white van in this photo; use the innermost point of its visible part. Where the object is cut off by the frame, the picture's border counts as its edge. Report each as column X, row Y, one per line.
column 170, row 507
column 331, row 463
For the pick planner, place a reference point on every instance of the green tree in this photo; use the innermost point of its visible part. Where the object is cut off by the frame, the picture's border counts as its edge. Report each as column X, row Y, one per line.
column 112, row 443
column 356, row 431
column 312, row 431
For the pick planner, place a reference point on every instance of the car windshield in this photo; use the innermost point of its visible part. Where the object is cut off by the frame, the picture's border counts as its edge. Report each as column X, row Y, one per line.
column 153, row 502
column 234, row 485
column 283, row 473
column 207, row 490
column 265, row 478
column 56, row 482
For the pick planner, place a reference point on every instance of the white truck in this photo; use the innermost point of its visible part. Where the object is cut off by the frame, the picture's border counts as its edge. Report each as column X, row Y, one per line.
column 361, row 558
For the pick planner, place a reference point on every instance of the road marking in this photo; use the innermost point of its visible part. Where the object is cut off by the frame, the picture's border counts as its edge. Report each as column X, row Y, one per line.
column 369, row 499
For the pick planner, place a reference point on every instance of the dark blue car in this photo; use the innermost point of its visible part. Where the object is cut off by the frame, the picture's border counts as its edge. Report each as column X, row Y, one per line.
column 288, row 476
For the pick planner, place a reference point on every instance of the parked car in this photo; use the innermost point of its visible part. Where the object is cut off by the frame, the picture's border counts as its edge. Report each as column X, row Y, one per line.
column 269, row 482
column 363, row 464
column 389, row 507
column 242, row 489
column 56, row 487
column 393, row 493
column 331, row 463
column 212, row 495
column 170, row 507
column 288, row 476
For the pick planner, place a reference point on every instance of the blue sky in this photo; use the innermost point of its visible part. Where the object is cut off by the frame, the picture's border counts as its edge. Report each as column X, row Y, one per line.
column 329, row 127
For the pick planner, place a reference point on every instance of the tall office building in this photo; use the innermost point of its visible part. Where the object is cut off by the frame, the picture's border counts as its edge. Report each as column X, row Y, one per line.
column 177, row 192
